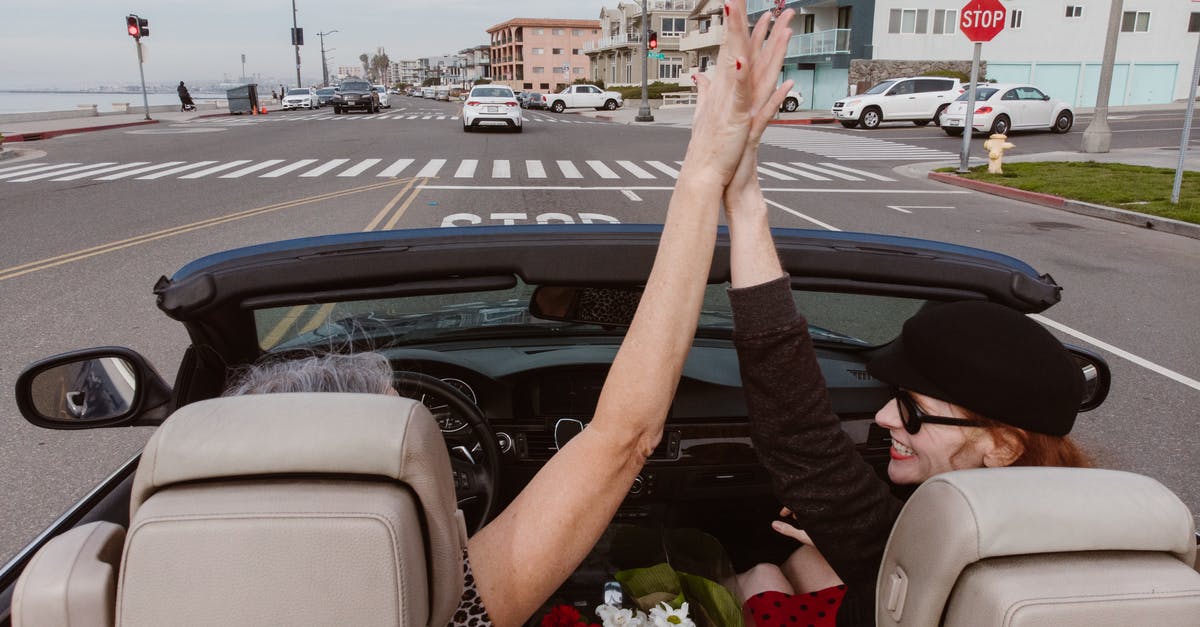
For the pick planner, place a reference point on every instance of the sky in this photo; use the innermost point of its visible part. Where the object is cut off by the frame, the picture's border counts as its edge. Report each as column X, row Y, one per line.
column 69, row 44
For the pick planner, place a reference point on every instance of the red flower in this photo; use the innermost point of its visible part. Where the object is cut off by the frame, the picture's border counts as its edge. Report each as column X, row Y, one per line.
column 564, row 616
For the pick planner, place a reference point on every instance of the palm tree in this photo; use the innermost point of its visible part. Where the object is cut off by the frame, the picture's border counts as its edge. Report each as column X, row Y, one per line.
column 365, row 59
column 379, row 64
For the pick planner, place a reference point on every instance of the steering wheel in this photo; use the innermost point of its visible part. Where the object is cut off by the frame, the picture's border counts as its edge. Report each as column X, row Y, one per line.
column 476, row 474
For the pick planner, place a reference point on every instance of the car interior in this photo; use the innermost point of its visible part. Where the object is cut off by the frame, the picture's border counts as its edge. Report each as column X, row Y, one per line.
column 503, row 353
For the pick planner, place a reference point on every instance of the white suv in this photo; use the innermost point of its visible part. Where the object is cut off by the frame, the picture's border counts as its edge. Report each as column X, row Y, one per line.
column 920, row 100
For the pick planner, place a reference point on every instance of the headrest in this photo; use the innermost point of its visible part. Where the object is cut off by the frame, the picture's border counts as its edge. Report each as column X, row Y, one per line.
column 268, row 435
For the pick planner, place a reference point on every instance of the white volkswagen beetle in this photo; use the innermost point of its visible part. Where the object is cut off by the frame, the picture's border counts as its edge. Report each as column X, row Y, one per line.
column 1004, row 107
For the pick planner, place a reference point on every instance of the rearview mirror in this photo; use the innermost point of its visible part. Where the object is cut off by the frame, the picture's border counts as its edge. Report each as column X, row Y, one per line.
column 99, row 387
column 1096, row 377
column 605, row 306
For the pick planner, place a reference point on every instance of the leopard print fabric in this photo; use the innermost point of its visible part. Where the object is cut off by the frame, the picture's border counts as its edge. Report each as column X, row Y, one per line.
column 470, row 612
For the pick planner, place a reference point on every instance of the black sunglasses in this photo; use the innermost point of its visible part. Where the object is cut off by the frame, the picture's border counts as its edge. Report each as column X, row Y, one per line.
column 912, row 417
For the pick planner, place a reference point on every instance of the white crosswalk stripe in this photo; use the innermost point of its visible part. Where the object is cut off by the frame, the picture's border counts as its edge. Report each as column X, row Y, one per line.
column 396, row 168
column 359, row 167
column 635, row 170
column 20, row 167
column 869, row 175
column 535, row 169
column 216, row 168
column 431, row 169
column 88, row 173
column 46, row 175
column 849, row 146
column 291, row 167
column 569, row 170
column 324, row 167
column 602, row 170
column 500, row 169
column 825, row 171
column 664, row 168
column 251, row 169
column 136, row 171
column 183, row 168
column 466, row 169
column 38, row 169
column 773, row 174
column 797, row 172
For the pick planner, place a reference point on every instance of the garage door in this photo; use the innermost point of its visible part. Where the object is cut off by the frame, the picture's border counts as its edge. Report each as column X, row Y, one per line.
column 1060, row 80
column 1009, row 72
column 1091, row 85
column 1153, row 83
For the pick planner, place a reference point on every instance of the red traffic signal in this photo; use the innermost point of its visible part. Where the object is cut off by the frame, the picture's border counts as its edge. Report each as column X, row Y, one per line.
column 652, row 42
column 132, row 27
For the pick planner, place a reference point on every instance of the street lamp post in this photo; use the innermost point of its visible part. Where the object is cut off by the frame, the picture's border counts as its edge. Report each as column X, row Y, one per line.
column 324, row 65
column 1098, row 136
column 643, row 114
column 295, row 28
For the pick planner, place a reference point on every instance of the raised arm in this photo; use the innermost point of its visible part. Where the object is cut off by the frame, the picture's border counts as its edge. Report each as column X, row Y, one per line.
column 523, row 555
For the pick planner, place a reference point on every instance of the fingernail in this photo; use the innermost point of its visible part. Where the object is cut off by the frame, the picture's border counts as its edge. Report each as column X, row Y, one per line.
column 726, row 10
column 739, row 64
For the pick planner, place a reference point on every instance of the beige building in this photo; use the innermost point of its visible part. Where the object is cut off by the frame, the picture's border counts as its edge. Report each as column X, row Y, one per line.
column 705, row 29
column 617, row 56
column 541, row 54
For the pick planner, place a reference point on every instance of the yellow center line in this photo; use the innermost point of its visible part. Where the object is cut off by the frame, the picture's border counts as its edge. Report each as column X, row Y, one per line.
column 16, row 271
column 388, row 207
column 284, row 324
column 400, row 212
column 318, row 318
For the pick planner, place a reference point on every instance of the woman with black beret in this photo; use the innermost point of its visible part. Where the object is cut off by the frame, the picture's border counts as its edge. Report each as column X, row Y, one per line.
column 975, row 384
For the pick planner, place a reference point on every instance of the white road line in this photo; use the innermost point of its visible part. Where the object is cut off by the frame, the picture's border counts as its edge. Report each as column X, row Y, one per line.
column 431, row 169
column 21, row 167
column 803, row 217
column 359, row 167
column 900, row 209
column 396, row 168
column 631, row 196
column 466, row 169
column 833, row 173
column 869, row 175
column 635, row 170
column 251, row 169
column 142, row 170
column 56, row 166
column 441, row 117
column 773, row 174
column 215, row 169
column 569, row 170
column 602, row 170
column 501, row 169
column 412, row 117
column 454, row 117
column 291, row 167
column 428, row 117
column 535, row 169
column 797, row 172
column 1145, row 363
column 46, row 175
column 905, row 208
column 182, row 168
column 664, row 168
column 121, row 166
column 323, row 168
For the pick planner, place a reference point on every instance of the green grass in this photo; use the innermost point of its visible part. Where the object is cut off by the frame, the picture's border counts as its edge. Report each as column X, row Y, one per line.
column 1134, row 188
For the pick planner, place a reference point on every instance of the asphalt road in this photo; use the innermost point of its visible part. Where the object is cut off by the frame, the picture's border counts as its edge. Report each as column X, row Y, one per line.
column 78, row 256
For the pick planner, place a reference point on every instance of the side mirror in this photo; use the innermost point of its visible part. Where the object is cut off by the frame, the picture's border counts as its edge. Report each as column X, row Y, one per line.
column 1096, row 377
column 1045, row 97
column 605, row 306
column 98, row 387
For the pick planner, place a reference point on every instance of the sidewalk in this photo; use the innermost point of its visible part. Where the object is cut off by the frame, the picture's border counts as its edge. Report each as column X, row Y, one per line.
column 676, row 115
column 44, row 129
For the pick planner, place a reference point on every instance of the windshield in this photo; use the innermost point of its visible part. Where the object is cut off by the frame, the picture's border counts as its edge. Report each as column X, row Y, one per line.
column 297, row 92
column 849, row 320
column 355, row 87
column 327, row 91
column 879, row 88
column 981, row 93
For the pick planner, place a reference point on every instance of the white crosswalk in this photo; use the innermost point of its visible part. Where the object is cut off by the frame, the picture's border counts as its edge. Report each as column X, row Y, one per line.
column 398, row 115
column 566, row 170
column 849, row 146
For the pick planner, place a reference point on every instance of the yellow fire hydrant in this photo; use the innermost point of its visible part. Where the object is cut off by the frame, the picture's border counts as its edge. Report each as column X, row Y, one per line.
column 996, row 145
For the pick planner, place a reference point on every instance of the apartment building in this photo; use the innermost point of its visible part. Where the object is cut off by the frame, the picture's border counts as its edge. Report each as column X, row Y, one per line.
column 407, row 71
column 541, row 54
column 705, row 30
column 617, row 55
column 843, row 46
column 476, row 63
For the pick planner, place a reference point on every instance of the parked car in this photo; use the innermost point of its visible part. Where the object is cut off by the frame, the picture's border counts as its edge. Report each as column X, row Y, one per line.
column 535, row 100
column 300, row 98
column 1004, row 107
column 919, row 100
column 459, row 314
column 427, row 92
column 324, row 95
column 579, row 96
column 355, row 94
column 792, row 102
column 491, row 105
column 384, row 99
column 521, row 96
column 441, row 93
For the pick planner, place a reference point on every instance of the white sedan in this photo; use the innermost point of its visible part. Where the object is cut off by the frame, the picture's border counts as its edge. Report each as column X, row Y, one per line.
column 304, row 97
column 384, row 101
column 1003, row 107
column 491, row 105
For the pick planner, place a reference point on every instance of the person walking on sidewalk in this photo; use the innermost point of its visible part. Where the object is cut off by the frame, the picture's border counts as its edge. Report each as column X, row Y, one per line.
column 185, row 99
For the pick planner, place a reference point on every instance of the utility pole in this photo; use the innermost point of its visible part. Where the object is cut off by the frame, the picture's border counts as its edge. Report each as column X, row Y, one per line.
column 324, row 66
column 243, row 67
column 643, row 114
column 1098, row 136
column 296, row 42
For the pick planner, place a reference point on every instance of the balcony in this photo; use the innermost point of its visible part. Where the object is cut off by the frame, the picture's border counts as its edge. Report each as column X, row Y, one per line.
column 615, row 41
column 698, row 39
column 832, row 41
column 663, row 5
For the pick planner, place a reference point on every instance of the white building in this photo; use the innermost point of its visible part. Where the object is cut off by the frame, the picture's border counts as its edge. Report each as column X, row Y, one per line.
column 840, row 45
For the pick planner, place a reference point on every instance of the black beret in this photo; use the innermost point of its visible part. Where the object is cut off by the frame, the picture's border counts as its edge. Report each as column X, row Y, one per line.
column 989, row 359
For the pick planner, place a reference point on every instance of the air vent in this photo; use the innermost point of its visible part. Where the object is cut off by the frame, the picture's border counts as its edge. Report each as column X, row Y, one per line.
column 861, row 375
column 540, row 446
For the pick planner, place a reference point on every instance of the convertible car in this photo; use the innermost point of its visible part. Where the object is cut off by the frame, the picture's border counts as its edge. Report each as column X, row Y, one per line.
column 505, row 334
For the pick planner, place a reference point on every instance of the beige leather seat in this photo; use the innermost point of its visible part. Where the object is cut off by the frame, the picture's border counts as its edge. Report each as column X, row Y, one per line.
column 1040, row 546
column 276, row 509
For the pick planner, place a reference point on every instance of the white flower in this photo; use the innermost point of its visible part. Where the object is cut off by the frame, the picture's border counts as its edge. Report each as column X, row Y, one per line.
column 664, row 616
column 612, row 616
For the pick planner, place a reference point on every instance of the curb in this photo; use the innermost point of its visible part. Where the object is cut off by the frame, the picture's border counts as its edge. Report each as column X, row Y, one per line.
column 28, row 137
column 805, row 121
column 1133, row 218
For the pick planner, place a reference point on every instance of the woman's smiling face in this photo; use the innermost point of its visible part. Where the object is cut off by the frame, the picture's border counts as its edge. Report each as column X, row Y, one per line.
column 935, row 448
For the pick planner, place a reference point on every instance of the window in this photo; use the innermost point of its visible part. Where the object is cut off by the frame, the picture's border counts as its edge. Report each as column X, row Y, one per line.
column 539, row 51
column 705, row 61
column 576, row 32
column 809, row 24
column 904, row 87
column 671, row 67
column 1030, row 93
column 576, row 51
column 1194, row 23
column 1011, row 95
column 539, row 70
column 1135, row 22
column 1014, row 20
column 578, row 71
column 843, row 18
column 945, row 22
column 559, row 32
column 539, row 31
column 930, row 85
column 542, row 86
column 908, row 21
column 556, row 51
column 673, row 27
column 1074, row 10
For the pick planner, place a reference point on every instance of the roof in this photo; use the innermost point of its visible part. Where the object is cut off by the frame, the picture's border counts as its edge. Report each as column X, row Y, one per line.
column 541, row 21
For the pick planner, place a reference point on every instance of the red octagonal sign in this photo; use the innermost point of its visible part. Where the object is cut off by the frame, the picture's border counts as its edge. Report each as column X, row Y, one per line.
column 981, row 20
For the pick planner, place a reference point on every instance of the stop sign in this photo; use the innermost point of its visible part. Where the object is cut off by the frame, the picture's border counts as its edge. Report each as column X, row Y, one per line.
column 981, row 20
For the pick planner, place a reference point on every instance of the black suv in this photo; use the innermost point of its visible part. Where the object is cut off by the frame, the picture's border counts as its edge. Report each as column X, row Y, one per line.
column 355, row 94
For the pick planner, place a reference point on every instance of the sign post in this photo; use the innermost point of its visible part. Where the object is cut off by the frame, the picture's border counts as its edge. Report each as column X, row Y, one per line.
column 1187, row 127
column 980, row 21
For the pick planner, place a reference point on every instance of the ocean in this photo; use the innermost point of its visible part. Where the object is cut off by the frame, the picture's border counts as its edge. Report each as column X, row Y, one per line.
column 24, row 102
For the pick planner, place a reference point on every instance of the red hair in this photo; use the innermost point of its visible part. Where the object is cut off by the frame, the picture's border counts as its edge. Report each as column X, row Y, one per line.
column 1033, row 448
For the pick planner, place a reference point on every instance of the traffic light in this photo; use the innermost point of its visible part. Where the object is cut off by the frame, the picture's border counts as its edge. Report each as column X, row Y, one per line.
column 137, row 27
column 652, row 42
